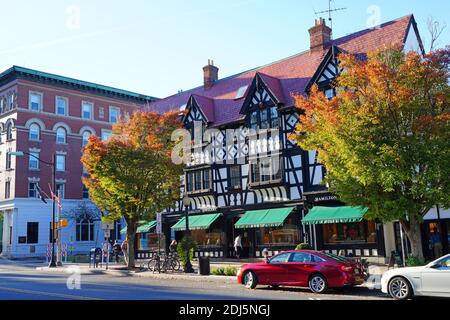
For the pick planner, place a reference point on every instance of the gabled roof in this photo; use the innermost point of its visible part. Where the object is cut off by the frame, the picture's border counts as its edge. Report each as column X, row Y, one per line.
column 293, row 73
column 53, row 79
column 206, row 105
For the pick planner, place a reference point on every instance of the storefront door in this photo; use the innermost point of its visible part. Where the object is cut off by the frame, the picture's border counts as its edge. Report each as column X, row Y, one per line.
column 433, row 250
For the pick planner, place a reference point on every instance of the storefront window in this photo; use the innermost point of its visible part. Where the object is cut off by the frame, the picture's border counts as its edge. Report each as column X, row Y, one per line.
column 208, row 238
column 149, row 241
column 364, row 232
column 287, row 235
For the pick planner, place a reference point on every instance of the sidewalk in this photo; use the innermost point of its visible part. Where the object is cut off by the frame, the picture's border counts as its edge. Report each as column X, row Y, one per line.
column 119, row 270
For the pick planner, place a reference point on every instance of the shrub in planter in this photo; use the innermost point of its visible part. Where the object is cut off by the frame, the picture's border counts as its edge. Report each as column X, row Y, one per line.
column 181, row 249
column 218, row 271
column 231, row 271
column 414, row 262
column 304, row 246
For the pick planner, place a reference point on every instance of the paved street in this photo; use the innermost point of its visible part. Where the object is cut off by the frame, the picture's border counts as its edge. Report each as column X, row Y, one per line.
column 21, row 280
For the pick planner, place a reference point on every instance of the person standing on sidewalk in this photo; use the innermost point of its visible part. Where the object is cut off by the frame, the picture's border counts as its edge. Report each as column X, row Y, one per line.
column 436, row 243
column 117, row 249
column 125, row 250
column 238, row 246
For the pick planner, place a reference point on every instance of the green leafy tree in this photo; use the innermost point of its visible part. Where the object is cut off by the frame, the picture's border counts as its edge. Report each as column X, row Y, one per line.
column 131, row 175
column 385, row 138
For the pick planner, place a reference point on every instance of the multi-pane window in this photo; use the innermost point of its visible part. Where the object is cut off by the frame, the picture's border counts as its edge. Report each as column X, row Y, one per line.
column 61, row 106
column 198, row 180
column 35, row 132
column 2, row 105
column 114, row 114
column 33, row 162
column 84, row 230
column 106, row 134
column 264, row 119
column 101, row 112
column 32, row 232
column 60, row 189
column 35, row 101
column 235, row 177
column 32, row 190
column 86, row 110
column 206, row 179
column 8, row 159
column 61, row 136
column 60, row 162
column 7, row 189
column 9, row 134
column 11, row 100
column 86, row 136
column 85, row 193
column 266, row 170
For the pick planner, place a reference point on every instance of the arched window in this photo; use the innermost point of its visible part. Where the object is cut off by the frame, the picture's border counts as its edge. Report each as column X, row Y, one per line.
column 61, row 135
column 86, row 136
column 85, row 229
column 35, row 132
column 9, row 135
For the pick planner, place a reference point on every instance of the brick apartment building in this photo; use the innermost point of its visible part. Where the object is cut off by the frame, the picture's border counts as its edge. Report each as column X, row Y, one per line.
column 44, row 115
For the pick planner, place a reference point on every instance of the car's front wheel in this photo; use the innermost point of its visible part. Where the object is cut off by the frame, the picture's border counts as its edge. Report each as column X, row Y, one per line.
column 318, row 284
column 250, row 281
column 400, row 289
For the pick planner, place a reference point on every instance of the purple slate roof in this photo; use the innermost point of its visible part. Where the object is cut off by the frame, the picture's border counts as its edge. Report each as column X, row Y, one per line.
column 285, row 77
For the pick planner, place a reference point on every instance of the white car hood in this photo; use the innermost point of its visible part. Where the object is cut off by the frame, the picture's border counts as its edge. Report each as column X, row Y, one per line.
column 401, row 271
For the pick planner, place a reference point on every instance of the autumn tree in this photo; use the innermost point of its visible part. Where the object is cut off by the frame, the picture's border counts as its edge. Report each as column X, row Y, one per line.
column 131, row 175
column 385, row 138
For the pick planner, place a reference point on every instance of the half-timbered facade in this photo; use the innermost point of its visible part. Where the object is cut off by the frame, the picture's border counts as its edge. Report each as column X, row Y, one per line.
column 245, row 176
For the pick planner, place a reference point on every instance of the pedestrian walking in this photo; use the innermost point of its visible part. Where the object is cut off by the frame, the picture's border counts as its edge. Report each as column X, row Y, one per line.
column 117, row 249
column 238, row 246
column 125, row 250
column 173, row 246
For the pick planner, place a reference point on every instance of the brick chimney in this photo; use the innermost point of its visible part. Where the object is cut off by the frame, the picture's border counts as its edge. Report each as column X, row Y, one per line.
column 210, row 74
column 320, row 35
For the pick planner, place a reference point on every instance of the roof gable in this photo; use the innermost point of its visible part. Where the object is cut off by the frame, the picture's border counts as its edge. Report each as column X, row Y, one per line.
column 328, row 69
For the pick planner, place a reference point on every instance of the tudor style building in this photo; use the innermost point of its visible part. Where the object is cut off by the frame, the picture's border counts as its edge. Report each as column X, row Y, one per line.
column 44, row 114
column 246, row 177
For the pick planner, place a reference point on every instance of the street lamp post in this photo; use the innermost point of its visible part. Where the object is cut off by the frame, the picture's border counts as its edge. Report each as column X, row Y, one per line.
column 53, row 166
column 188, row 267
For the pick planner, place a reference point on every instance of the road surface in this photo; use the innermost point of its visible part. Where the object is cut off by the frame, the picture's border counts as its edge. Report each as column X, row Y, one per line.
column 21, row 281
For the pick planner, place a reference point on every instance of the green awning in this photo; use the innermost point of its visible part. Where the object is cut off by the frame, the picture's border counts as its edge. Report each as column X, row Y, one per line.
column 144, row 227
column 263, row 218
column 201, row 222
column 329, row 215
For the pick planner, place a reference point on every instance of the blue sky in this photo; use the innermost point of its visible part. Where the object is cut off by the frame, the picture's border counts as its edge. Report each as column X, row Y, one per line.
column 158, row 47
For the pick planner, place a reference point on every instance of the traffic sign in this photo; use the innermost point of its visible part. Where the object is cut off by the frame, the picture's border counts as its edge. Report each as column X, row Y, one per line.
column 107, row 225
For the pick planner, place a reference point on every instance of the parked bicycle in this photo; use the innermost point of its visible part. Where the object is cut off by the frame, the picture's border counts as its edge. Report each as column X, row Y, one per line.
column 160, row 262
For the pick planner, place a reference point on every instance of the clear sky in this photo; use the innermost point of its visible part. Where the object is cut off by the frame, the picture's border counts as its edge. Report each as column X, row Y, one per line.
column 158, row 47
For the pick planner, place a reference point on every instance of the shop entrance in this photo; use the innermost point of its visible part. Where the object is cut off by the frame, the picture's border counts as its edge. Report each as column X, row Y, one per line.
column 437, row 239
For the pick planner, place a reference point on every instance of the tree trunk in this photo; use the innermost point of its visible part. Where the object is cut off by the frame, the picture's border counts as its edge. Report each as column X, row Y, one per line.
column 131, row 236
column 414, row 234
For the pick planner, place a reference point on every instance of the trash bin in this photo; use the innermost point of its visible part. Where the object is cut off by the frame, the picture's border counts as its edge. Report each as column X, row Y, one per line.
column 204, row 267
column 95, row 255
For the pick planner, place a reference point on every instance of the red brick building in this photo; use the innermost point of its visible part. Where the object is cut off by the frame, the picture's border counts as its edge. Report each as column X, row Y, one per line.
column 45, row 114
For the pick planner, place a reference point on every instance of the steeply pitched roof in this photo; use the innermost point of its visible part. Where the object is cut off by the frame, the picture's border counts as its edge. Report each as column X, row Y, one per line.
column 288, row 76
column 206, row 105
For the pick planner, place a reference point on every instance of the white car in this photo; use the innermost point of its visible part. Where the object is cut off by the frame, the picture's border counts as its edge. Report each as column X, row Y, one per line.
column 432, row 280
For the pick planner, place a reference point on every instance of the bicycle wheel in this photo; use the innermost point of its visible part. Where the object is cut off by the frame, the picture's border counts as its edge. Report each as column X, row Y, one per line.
column 176, row 265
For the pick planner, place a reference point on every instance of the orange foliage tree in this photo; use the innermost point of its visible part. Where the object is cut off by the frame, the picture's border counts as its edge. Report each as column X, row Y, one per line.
column 131, row 175
column 385, row 138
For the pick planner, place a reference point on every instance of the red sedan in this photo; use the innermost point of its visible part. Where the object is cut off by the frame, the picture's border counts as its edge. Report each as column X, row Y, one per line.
column 302, row 268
